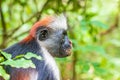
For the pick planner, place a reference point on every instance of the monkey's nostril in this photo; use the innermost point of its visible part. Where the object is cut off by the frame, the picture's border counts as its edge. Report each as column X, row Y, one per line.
column 62, row 41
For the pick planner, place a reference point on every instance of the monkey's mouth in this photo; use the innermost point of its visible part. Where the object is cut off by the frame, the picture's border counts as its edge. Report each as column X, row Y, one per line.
column 68, row 52
column 65, row 52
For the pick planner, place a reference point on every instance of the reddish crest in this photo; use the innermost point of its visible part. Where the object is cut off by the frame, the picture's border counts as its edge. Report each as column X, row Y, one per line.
column 43, row 22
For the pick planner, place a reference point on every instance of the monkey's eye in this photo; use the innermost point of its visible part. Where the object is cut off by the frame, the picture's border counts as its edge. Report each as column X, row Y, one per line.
column 43, row 34
column 64, row 32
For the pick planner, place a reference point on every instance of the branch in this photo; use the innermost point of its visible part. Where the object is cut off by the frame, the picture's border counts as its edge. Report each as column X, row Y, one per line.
column 16, row 29
column 2, row 20
column 115, row 25
column 34, row 15
column 43, row 7
column 4, row 29
column 14, row 38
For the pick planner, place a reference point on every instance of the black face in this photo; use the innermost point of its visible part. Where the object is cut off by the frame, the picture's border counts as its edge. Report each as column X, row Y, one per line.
column 65, row 45
column 55, row 41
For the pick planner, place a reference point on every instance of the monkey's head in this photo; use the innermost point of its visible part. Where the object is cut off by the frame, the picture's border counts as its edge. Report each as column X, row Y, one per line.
column 51, row 33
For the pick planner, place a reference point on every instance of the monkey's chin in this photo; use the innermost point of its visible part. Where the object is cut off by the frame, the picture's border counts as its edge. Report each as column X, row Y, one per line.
column 64, row 53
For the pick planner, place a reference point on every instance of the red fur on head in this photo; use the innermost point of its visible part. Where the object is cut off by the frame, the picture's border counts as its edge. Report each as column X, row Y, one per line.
column 43, row 22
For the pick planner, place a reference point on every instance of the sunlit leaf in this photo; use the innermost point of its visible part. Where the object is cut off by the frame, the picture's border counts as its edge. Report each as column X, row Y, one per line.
column 19, row 63
column 6, row 55
column 84, row 24
column 1, row 58
column 19, row 56
column 97, row 49
column 99, row 24
column 30, row 55
column 3, row 73
column 92, row 48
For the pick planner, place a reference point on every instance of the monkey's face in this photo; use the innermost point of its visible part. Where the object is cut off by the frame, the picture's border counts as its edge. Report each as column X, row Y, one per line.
column 55, row 41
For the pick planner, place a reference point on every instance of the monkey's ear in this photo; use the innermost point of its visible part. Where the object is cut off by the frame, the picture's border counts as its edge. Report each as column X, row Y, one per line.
column 43, row 33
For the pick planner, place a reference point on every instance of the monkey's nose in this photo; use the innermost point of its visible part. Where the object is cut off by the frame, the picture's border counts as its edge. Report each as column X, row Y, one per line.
column 67, row 46
column 67, row 43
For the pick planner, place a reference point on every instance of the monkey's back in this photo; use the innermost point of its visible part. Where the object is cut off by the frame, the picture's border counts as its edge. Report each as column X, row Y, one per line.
column 44, row 70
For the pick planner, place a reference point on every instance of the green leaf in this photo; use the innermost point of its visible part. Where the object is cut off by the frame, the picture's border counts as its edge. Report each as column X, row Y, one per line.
column 30, row 55
column 85, row 68
column 99, row 24
column 19, row 63
column 91, row 48
column 98, row 49
column 84, row 24
column 19, row 56
column 100, row 71
column 1, row 59
column 3, row 73
column 6, row 55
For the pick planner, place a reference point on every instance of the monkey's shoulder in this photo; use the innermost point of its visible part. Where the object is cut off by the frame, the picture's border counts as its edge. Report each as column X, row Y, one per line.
column 20, row 48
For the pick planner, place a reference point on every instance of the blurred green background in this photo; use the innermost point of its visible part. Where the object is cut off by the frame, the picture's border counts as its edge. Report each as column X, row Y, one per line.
column 94, row 28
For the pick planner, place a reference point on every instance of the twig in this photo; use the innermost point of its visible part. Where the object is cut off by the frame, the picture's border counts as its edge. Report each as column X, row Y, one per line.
column 34, row 15
column 13, row 38
column 2, row 20
column 4, row 29
column 43, row 7
column 115, row 25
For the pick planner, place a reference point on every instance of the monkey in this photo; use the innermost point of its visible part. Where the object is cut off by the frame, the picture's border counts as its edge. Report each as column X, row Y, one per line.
column 47, row 38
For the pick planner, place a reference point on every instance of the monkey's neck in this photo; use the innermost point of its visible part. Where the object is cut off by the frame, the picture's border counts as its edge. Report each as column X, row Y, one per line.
column 49, row 60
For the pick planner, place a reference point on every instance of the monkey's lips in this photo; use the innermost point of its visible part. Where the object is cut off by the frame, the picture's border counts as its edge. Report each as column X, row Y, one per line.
column 68, row 52
column 65, row 52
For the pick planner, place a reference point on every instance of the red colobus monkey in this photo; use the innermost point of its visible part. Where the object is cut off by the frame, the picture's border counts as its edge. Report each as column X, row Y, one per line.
column 47, row 38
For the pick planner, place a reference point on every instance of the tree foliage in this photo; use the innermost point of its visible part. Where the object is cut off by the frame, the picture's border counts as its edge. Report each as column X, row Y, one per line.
column 94, row 27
